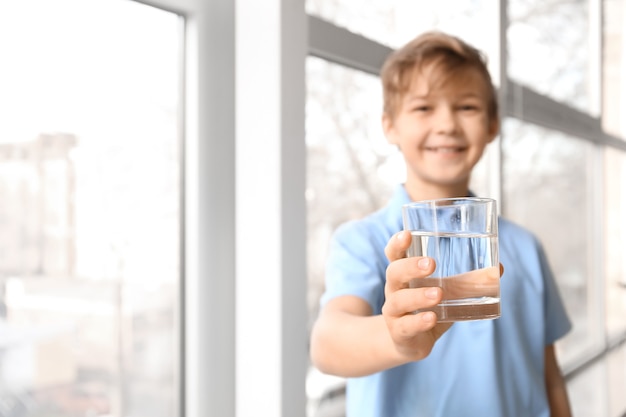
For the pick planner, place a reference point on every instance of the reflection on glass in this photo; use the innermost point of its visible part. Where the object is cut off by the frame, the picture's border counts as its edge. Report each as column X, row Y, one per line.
column 395, row 22
column 615, row 242
column 548, row 49
column 89, row 184
column 554, row 169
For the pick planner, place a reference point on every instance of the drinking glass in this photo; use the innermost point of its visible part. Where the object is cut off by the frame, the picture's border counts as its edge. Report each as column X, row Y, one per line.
column 461, row 235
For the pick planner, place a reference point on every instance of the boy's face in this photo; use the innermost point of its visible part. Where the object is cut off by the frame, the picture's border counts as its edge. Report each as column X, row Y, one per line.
column 442, row 131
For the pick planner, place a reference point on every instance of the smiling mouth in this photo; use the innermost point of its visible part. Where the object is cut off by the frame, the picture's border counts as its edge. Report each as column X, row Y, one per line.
column 445, row 149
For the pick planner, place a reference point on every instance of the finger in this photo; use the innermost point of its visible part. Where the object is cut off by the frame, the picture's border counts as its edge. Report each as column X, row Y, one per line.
column 409, row 300
column 413, row 327
column 401, row 272
column 440, row 329
column 476, row 283
column 397, row 245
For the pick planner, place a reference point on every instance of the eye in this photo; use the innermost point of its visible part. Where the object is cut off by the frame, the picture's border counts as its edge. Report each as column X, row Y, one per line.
column 421, row 108
column 469, row 107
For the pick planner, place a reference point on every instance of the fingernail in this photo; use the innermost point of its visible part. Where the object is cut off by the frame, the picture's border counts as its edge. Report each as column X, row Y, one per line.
column 431, row 293
column 399, row 235
column 428, row 316
column 423, row 263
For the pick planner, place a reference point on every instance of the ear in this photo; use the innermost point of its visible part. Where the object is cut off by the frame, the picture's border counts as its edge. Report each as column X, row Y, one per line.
column 494, row 128
column 389, row 129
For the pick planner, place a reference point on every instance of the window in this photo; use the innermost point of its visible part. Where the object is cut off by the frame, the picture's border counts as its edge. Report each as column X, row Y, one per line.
column 90, row 163
column 346, row 150
column 548, row 187
column 392, row 23
column 549, row 49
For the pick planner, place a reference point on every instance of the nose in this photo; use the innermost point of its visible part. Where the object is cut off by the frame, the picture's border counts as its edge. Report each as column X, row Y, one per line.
column 445, row 120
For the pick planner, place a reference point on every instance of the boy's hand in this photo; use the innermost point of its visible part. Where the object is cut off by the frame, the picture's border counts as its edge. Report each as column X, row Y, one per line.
column 414, row 335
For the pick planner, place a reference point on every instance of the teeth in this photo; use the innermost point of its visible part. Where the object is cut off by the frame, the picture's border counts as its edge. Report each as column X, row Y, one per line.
column 445, row 150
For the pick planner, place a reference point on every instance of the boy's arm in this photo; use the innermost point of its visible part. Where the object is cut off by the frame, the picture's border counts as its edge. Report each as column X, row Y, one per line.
column 555, row 386
column 347, row 340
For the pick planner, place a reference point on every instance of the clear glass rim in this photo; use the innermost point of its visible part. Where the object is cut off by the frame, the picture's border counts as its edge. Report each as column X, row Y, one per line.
column 447, row 201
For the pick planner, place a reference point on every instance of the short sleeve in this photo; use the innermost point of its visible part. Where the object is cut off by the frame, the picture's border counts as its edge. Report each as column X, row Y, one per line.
column 356, row 265
column 557, row 320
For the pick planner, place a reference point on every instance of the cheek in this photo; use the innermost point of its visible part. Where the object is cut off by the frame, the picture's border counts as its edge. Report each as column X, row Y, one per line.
column 414, row 130
column 481, row 131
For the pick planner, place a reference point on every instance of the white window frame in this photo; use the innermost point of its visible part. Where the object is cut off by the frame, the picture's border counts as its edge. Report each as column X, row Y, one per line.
column 244, row 316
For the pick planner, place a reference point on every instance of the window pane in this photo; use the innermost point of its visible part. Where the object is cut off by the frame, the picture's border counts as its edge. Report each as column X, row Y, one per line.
column 351, row 168
column 393, row 23
column 590, row 402
column 548, row 48
column 615, row 243
column 599, row 390
column 351, row 171
column 547, row 187
column 90, row 216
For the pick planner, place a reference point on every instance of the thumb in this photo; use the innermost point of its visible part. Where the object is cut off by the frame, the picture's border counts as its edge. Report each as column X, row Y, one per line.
column 397, row 245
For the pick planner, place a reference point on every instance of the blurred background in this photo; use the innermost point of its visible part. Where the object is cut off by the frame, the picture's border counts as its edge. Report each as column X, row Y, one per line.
column 171, row 173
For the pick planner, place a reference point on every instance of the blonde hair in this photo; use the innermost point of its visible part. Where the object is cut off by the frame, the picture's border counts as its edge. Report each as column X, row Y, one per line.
column 449, row 54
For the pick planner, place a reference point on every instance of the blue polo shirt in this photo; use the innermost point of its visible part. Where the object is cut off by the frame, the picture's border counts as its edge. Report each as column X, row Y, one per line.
column 477, row 368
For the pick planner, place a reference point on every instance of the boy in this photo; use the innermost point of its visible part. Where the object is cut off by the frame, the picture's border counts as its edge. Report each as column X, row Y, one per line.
column 440, row 109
